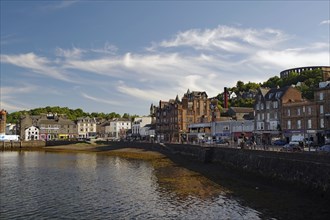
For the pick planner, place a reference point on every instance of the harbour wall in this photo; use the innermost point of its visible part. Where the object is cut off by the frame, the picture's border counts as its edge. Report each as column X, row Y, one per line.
column 15, row 145
column 308, row 171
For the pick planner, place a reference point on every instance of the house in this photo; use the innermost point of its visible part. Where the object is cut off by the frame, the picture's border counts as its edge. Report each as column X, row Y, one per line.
column 322, row 98
column 31, row 133
column 268, row 111
column 117, row 128
column 86, row 127
column 299, row 119
column 137, row 127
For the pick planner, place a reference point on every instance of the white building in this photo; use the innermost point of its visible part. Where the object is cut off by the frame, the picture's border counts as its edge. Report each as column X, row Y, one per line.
column 232, row 128
column 86, row 127
column 118, row 128
column 138, row 126
column 32, row 133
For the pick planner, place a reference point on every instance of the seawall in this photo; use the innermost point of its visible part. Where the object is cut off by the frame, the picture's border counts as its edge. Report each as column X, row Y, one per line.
column 309, row 171
column 16, row 145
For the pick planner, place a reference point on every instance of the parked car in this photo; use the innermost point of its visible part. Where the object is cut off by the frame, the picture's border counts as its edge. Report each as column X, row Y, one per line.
column 222, row 141
column 324, row 148
column 279, row 142
column 291, row 147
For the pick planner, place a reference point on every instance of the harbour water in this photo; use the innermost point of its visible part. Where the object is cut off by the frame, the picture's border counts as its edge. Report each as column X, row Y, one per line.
column 44, row 185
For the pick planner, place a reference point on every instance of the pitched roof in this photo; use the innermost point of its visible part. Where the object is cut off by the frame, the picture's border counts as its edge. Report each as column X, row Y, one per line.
column 242, row 109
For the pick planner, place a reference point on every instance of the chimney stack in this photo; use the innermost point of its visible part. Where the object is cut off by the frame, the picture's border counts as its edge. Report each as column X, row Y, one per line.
column 225, row 98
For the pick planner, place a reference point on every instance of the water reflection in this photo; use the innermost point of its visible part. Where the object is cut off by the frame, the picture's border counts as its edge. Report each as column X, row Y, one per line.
column 95, row 186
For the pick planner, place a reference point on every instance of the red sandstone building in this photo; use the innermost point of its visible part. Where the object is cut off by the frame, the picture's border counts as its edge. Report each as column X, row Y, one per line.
column 173, row 117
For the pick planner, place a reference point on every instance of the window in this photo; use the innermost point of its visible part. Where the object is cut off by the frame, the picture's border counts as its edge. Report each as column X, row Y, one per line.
column 275, row 115
column 267, row 105
column 309, row 123
column 321, row 96
column 262, row 116
column 321, row 109
column 258, row 116
column 268, row 116
column 322, row 122
column 257, row 106
column 289, row 124
column 309, row 110
column 289, row 112
column 278, row 94
column 298, row 111
column 262, row 106
column 299, row 124
column 275, row 104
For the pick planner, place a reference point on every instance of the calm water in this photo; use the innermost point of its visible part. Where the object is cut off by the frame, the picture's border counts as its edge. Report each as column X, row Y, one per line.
column 39, row 185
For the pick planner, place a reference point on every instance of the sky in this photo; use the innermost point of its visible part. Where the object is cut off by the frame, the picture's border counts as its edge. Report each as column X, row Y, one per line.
column 123, row 56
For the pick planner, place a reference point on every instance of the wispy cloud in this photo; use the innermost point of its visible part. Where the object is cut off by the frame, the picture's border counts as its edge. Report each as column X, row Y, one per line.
column 107, row 49
column 37, row 64
column 325, row 22
column 100, row 100
column 8, row 94
column 70, row 53
column 225, row 38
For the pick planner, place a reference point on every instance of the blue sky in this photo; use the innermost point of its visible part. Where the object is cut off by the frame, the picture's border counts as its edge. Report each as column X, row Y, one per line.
column 121, row 56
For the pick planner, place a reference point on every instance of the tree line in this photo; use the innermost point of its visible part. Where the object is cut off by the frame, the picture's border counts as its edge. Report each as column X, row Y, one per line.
column 71, row 114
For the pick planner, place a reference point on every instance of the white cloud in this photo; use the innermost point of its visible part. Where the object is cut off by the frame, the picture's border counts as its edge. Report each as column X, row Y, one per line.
column 74, row 53
column 8, row 97
column 100, row 100
column 40, row 65
column 150, row 94
column 325, row 22
column 225, row 38
column 107, row 49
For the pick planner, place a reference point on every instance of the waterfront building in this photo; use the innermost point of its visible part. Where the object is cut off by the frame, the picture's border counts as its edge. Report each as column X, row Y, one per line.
column 299, row 119
column 101, row 126
column 268, row 111
column 117, row 128
column 31, row 133
column 56, row 127
column 138, row 127
column 232, row 129
column 86, row 127
column 173, row 117
column 322, row 98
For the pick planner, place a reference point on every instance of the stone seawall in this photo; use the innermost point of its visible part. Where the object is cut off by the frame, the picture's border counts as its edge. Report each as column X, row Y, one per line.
column 305, row 170
column 12, row 145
